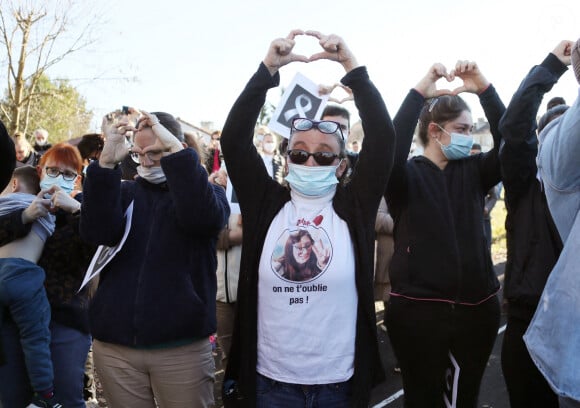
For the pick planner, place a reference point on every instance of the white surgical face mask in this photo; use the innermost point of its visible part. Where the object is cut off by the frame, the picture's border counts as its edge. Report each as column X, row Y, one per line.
column 154, row 175
column 269, row 147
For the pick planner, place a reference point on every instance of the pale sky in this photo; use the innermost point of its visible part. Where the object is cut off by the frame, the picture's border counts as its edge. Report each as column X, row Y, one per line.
column 192, row 58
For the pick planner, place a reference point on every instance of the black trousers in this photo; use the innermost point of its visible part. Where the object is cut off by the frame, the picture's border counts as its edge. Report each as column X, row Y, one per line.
column 526, row 386
column 423, row 336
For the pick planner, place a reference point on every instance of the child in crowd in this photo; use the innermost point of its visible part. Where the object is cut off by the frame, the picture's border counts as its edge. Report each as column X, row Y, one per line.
column 22, row 282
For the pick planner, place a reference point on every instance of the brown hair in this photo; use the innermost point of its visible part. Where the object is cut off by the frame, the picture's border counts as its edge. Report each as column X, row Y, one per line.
column 440, row 110
column 191, row 141
column 90, row 143
column 28, row 176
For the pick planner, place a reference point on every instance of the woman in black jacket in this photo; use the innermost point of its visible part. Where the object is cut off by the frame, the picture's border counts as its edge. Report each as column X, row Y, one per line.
column 443, row 313
column 313, row 339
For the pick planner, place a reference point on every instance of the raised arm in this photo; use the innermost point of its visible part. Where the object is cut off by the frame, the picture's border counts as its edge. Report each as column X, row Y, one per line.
column 102, row 214
column 518, row 124
column 475, row 82
column 245, row 167
column 564, row 146
column 376, row 158
column 405, row 122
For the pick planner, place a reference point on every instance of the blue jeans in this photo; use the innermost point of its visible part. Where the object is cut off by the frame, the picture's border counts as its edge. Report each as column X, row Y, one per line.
column 69, row 349
column 22, row 294
column 275, row 394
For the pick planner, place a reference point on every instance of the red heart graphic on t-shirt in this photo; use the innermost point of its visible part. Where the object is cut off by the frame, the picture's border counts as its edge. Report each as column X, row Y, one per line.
column 317, row 220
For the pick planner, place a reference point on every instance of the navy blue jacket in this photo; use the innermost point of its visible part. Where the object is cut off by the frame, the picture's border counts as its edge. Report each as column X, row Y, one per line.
column 160, row 288
column 533, row 242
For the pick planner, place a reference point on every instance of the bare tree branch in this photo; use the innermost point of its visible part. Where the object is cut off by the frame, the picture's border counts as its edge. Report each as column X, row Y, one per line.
column 40, row 33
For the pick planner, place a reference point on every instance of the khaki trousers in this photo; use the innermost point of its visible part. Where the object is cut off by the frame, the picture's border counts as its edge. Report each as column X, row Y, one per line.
column 177, row 377
column 225, row 327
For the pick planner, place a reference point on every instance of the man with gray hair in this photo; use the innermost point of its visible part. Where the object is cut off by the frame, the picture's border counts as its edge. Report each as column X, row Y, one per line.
column 41, row 144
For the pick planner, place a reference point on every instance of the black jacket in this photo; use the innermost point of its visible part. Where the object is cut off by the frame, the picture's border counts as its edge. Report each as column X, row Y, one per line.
column 440, row 248
column 533, row 243
column 261, row 198
column 7, row 157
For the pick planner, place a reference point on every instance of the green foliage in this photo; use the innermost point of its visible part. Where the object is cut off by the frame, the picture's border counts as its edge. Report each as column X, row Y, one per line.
column 57, row 107
column 498, row 245
column 266, row 113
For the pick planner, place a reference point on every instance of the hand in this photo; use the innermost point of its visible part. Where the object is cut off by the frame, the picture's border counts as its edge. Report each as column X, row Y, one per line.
column 322, row 254
column 166, row 141
column 219, row 178
column 473, row 79
column 427, row 87
column 39, row 207
column 563, row 51
column 280, row 52
column 327, row 90
column 335, row 49
column 63, row 201
column 115, row 148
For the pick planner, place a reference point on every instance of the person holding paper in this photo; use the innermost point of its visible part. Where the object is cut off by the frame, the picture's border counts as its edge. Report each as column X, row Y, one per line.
column 64, row 259
column 315, row 338
column 155, row 307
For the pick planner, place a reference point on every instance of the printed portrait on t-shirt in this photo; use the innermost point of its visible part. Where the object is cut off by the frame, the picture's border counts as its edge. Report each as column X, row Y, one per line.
column 302, row 254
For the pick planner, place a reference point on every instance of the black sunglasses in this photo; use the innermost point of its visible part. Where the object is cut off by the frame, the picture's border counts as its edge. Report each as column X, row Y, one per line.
column 325, row 126
column 299, row 156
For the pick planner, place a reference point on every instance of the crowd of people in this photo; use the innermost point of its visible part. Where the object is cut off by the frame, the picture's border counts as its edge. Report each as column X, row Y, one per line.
column 326, row 227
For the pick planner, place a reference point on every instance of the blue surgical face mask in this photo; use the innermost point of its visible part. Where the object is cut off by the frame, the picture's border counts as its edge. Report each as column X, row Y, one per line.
column 459, row 147
column 312, row 180
column 65, row 185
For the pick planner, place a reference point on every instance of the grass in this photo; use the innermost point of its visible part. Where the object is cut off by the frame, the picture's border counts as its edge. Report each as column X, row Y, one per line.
column 498, row 242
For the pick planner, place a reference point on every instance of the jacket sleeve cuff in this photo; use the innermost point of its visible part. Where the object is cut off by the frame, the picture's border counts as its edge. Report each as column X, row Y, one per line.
column 554, row 65
column 357, row 74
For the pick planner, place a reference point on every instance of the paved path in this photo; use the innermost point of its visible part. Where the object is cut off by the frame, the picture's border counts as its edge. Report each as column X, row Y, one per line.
column 390, row 393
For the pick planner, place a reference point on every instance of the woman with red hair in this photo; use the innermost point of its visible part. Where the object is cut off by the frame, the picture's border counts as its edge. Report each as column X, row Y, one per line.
column 65, row 258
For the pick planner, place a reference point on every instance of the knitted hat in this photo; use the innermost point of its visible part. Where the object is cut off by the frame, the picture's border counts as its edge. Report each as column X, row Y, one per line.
column 550, row 115
column 576, row 60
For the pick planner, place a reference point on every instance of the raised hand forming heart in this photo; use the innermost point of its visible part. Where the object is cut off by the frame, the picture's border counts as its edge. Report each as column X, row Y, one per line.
column 328, row 89
column 334, row 49
column 473, row 80
column 466, row 71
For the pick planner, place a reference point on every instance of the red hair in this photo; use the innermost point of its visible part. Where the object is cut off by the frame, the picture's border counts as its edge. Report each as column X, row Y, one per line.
column 64, row 153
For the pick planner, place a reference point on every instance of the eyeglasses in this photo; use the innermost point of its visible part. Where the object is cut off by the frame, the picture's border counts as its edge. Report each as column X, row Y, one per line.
column 325, row 126
column 54, row 172
column 299, row 156
column 153, row 155
column 304, row 247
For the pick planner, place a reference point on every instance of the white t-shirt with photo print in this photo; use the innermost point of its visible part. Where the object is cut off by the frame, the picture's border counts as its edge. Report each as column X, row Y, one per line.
column 307, row 298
